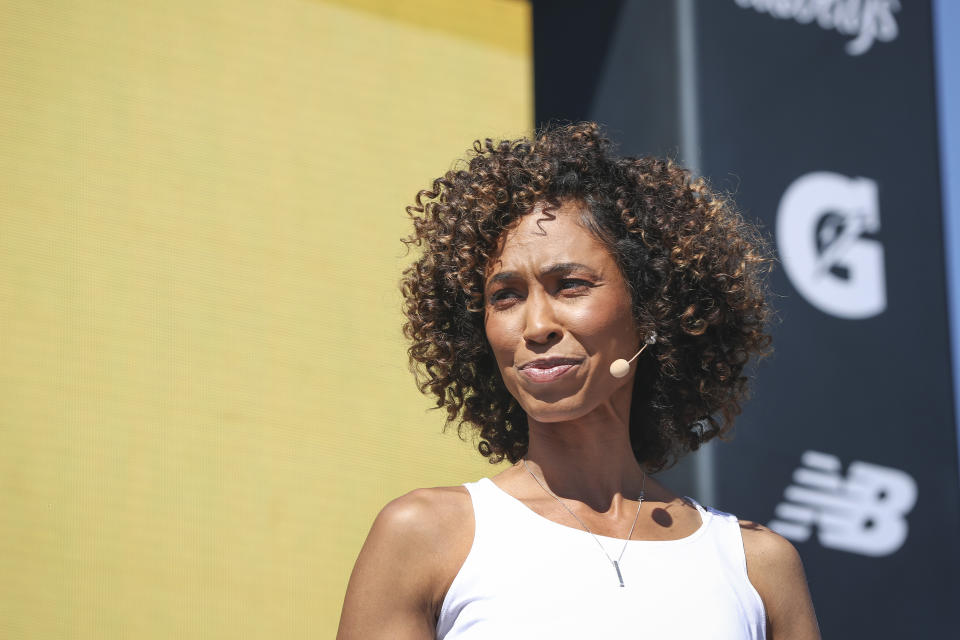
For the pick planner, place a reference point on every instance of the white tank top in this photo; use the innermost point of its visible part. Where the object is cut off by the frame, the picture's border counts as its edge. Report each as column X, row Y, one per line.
column 529, row 577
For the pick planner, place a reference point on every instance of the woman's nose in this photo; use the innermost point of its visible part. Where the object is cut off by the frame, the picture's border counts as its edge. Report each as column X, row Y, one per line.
column 540, row 321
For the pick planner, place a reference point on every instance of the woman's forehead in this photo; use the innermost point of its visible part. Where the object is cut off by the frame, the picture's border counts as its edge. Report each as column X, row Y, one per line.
column 549, row 234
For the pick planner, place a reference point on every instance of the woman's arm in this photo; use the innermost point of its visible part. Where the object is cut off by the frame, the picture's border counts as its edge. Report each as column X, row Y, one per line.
column 406, row 566
column 775, row 570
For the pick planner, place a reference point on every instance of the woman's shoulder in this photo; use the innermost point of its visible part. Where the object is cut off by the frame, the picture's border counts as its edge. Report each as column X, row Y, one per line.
column 407, row 562
column 767, row 551
column 776, row 571
column 428, row 525
column 426, row 512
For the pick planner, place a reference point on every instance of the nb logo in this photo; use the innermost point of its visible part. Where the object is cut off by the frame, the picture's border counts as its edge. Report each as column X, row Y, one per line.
column 863, row 513
column 821, row 225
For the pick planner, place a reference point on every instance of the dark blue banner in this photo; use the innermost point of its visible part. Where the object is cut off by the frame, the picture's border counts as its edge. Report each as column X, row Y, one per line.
column 820, row 117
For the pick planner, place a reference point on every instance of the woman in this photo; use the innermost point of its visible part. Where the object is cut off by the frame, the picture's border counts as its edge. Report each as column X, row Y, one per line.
column 543, row 264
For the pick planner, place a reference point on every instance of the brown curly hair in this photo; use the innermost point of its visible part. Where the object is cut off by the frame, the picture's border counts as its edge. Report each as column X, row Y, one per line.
column 696, row 271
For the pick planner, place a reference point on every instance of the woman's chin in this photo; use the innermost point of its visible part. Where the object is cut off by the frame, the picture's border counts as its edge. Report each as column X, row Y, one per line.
column 559, row 410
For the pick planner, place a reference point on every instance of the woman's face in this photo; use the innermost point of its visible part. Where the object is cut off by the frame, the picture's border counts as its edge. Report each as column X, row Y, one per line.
column 557, row 313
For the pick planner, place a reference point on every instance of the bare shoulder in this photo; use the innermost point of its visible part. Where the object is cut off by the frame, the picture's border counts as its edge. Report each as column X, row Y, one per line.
column 425, row 528
column 425, row 515
column 413, row 551
column 776, row 571
column 767, row 550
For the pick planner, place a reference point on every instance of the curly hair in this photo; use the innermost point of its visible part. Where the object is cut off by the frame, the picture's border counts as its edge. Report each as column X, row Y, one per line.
column 695, row 269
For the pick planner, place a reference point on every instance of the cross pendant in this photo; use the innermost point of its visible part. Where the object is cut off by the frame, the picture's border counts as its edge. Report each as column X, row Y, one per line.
column 619, row 575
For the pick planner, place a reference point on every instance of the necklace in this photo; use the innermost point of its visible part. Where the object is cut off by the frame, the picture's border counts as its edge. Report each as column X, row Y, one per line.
column 615, row 563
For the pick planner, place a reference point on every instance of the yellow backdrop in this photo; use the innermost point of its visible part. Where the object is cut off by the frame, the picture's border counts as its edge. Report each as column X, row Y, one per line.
column 204, row 396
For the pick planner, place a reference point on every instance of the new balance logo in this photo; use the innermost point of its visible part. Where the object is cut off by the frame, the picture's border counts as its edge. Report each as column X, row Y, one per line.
column 863, row 513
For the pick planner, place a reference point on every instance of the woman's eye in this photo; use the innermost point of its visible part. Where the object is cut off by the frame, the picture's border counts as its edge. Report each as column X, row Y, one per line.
column 503, row 296
column 573, row 284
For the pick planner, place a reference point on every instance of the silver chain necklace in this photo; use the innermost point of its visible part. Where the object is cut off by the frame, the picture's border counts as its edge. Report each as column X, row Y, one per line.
column 615, row 563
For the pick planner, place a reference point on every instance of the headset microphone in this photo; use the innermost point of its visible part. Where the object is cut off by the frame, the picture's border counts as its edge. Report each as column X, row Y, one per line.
column 620, row 368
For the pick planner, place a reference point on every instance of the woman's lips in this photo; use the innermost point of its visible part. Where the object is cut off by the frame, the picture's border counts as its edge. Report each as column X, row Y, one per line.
column 546, row 373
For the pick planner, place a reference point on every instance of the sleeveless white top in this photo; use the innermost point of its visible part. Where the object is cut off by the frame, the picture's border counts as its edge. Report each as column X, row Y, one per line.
column 529, row 577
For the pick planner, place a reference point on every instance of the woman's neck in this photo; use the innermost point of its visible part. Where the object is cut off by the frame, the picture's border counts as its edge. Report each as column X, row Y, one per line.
column 589, row 459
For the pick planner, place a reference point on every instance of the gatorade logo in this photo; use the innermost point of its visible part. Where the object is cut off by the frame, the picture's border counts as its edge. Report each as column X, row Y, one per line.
column 864, row 513
column 823, row 223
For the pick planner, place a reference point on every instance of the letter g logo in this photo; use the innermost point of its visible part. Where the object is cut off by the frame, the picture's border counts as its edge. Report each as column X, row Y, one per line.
column 820, row 225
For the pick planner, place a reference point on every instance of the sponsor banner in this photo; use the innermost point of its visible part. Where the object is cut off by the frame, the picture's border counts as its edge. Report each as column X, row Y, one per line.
column 820, row 117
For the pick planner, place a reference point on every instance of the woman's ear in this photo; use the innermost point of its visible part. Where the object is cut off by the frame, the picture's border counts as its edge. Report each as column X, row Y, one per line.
column 641, row 331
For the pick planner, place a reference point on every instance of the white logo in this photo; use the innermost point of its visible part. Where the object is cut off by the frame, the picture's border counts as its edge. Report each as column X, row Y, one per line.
column 820, row 225
column 864, row 513
column 869, row 19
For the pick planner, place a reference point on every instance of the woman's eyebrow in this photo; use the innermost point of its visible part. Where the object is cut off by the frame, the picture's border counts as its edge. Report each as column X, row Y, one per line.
column 566, row 267
column 555, row 269
column 503, row 275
